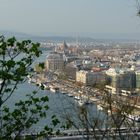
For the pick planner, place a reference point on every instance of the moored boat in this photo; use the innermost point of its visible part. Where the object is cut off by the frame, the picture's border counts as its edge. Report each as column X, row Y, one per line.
column 77, row 97
column 99, row 107
column 54, row 89
column 70, row 95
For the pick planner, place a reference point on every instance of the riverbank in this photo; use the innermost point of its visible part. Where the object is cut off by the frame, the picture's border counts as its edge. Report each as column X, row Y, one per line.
column 87, row 95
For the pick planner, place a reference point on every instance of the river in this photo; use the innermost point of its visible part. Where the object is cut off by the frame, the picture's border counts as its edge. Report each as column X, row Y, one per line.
column 59, row 104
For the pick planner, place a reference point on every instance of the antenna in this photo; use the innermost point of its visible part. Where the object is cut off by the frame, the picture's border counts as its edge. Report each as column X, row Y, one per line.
column 77, row 41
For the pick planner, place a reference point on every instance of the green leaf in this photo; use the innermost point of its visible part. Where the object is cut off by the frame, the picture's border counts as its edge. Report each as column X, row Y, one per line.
column 11, row 63
column 42, row 65
column 46, row 107
column 55, row 121
column 45, row 99
column 11, row 41
column 35, row 100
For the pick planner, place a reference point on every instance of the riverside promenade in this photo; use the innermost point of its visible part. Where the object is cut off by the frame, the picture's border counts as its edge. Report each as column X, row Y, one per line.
column 93, row 95
column 82, row 134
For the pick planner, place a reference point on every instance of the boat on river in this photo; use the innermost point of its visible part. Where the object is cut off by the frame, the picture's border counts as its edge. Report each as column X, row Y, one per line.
column 77, row 97
column 70, row 94
column 99, row 107
column 82, row 101
column 54, row 89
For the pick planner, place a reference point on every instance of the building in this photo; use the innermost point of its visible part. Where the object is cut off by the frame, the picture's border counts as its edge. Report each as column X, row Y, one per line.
column 70, row 70
column 137, row 79
column 87, row 64
column 98, row 66
column 121, row 79
column 89, row 78
column 55, row 62
column 63, row 48
column 84, row 77
column 67, row 51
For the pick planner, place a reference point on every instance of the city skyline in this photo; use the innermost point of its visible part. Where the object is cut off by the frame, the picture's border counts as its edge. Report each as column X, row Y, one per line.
column 90, row 18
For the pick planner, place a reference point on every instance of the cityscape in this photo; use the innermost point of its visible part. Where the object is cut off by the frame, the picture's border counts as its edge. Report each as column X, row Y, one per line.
column 86, row 72
column 70, row 70
column 116, row 68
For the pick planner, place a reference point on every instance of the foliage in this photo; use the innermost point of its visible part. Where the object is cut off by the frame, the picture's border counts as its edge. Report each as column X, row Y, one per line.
column 39, row 68
column 113, row 122
column 16, row 59
column 138, row 7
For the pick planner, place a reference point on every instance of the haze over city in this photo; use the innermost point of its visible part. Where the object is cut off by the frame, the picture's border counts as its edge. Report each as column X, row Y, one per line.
column 69, row 69
column 90, row 18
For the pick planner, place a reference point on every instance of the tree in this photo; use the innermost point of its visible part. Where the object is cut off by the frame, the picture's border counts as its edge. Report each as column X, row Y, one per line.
column 16, row 59
column 113, row 122
column 138, row 7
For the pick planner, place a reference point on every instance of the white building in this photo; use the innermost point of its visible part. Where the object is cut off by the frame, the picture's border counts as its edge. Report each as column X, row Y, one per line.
column 121, row 79
column 89, row 78
column 55, row 62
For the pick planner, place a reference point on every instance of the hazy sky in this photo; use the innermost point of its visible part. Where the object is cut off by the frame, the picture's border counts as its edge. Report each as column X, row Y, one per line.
column 69, row 17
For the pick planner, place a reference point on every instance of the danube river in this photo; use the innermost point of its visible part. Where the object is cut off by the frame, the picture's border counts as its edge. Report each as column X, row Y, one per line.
column 59, row 104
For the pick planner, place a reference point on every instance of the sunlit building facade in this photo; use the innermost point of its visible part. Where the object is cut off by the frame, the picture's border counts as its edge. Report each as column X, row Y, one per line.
column 55, row 62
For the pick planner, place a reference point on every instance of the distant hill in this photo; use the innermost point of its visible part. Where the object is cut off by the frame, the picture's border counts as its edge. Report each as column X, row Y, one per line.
column 16, row 34
column 97, row 37
column 22, row 36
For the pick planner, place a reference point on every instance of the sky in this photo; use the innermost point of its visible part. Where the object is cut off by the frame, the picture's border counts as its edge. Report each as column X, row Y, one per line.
column 70, row 17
